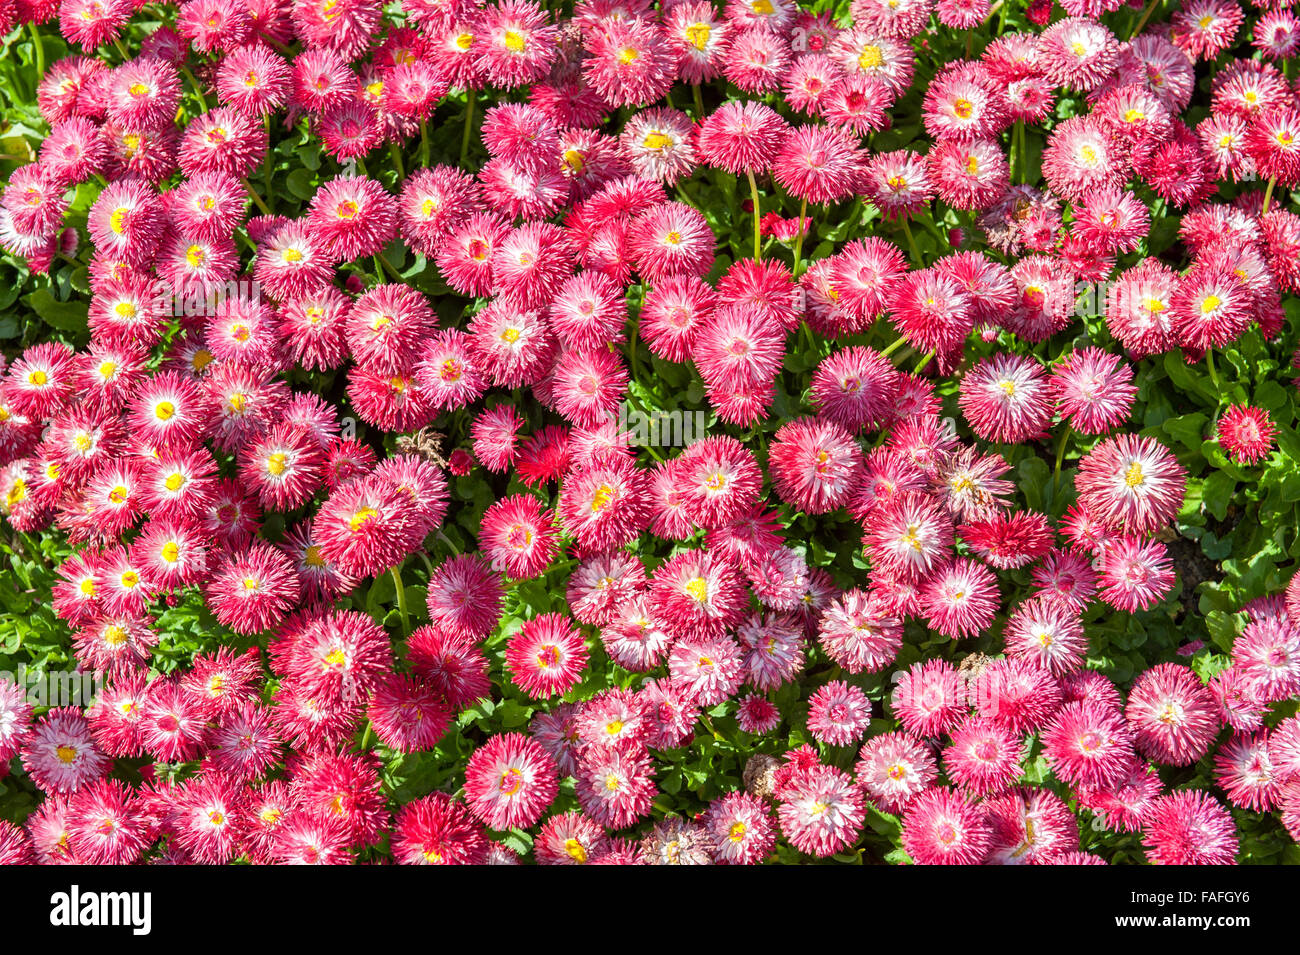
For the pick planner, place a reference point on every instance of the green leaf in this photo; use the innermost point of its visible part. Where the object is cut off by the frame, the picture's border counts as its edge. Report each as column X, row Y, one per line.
column 300, row 183
column 1188, row 429
column 68, row 316
column 1217, row 493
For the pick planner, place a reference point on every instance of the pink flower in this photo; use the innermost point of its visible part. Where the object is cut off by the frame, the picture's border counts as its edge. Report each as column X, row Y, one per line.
column 1189, row 827
column 1246, row 433
column 546, row 656
column 942, row 827
column 1088, row 744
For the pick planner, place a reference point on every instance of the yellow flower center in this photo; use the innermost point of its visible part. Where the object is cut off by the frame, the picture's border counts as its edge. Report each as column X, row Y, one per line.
column 602, row 498
column 657, row 140
column 164, row 410
column 66, row 753
column 514, row 41
column 699, row 589
column 574, row 160
column 277, row 463
column 698, row 34
column 170, row 552
column 512, row 780
column 1133, row 477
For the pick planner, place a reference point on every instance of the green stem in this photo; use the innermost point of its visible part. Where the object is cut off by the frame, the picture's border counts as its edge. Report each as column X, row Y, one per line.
column 798, row 242
column 636, row 406
column 257, row 200
column 896, row 344
column 401, row 601
column 447, row 540
column 1014, row 161
column 970, row 41
column 1146, row 15
column 925, row 360
column 1060, row 456
column 911, row 242
column 382, row 265
column 1209, row 364
column 1268, row 194
column 633, row 363
column 1020, row 151
column 196, row 89
column 699, row 101
column 121, row 49
column 758, row 229
column 367, row 736
column 38, row 47
column 396, row 154
column 276, row 45
column 428, row 564
column 268, row 167
column 469, row 124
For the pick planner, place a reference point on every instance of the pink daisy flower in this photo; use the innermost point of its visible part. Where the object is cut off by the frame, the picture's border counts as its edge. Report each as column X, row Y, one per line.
column 942, row 827
column 1135, row 575
column 929, row 698
column 838, row 714
column 1189, row 827
column 893, row 768
column 1246, row 433
column 1173, row 716
column 1007, row 398
column 546, row 656
column 60, row 755
column 960, row 598
column 821, row 811
column 1088, row 744
column 1132, row 484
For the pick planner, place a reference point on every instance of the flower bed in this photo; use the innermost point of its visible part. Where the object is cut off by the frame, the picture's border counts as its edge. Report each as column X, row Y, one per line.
column 447, row 432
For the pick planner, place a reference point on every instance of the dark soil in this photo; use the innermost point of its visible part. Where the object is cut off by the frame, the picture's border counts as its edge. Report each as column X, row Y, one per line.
column 1192, row 567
